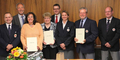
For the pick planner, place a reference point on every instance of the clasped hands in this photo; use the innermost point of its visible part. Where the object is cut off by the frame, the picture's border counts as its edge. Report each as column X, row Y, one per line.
column 9, row 46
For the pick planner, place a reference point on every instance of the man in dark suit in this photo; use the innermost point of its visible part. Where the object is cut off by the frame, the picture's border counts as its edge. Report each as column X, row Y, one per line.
column 19, row 19
column 109, row 33
column 9, row 36
column 57, row 16
column 86, row 49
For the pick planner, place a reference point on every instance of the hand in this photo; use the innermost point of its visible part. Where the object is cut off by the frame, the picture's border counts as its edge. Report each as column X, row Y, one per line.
column 25, row 48
column 44, row 43
column 75, row 39
column 108, row 45
column 9, row 46
column 62, row 45
column 64, row 48
column 52, row 43
column 83, row 41
column 38, row 48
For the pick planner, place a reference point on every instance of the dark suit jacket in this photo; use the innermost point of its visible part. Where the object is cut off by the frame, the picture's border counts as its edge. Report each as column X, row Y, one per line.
column 90, row 36
column 65, row 35
column 53, row 18
column 112, row 36
column 17, row 22
column 5, row 39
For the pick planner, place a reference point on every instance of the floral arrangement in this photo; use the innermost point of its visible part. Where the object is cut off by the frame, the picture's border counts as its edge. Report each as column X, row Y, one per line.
column 17, row 54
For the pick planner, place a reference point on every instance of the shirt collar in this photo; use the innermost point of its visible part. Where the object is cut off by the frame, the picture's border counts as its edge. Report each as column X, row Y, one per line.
column 20, row 15
column 9, row 24
column 58, row 14
column 84, row 19
column 65, row 22
column 109, row 19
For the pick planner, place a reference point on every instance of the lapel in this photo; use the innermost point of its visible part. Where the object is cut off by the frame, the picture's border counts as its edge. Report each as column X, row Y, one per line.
column 18, row 20
column 12, row 31
column 86, row 22
column 66, row 26
column 110, row 26
column 6, row 30
column 78, row 24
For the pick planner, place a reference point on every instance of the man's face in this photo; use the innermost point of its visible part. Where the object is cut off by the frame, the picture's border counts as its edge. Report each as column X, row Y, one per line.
column 20, row 9
column 8, row 18
column 108, row 12
column 82, row 14
column 56, row 10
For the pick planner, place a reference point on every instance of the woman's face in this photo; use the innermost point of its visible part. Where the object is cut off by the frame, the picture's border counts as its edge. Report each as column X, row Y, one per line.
column 30, row 18
column 47, row 19
column 64, row 16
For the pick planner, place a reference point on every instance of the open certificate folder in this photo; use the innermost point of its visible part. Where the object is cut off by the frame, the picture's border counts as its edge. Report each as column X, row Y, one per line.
column 31, row 44
column 49, row 37
column 80, row 35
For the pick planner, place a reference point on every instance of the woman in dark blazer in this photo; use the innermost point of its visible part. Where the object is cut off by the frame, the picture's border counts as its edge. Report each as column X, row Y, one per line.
column 64, row 36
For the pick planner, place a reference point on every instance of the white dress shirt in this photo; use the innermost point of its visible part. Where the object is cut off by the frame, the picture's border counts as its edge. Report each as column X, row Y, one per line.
column 109, row 19
column 7, row 25
column 64, row 24
column 20, row 19
column 58, row 16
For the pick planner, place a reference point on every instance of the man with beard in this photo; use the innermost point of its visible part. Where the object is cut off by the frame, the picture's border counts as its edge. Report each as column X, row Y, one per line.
column 86, row 49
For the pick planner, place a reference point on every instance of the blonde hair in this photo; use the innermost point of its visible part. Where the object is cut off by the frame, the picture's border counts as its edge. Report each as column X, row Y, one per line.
column 47, row 14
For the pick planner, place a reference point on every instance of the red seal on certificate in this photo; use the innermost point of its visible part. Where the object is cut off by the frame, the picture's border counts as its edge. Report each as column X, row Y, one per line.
column 113, row 29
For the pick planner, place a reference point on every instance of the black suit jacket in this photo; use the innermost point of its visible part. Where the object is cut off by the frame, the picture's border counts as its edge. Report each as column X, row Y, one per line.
column 53, row 18
column 65, row 35
column 5, row 39
column 112, row 36
column 90, row 36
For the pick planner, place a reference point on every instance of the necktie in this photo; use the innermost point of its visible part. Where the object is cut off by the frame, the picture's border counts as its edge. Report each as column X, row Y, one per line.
column 81, row 24
column 9, row 30
column 56, row 19
column 22, row 19
column 108, row 23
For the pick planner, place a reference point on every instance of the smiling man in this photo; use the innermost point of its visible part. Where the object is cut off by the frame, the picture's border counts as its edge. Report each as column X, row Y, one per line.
column 109, row 33
column 9, row 36
column 57, row 16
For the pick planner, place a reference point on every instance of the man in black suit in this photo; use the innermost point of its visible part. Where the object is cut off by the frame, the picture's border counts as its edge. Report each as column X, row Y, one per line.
column 19, row 19
column 86, row 49
column 9, row 36
column 109, row 33
column 57, row 16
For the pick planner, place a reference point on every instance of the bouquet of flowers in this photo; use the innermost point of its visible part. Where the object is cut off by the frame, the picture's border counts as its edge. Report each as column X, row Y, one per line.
column 17, row 54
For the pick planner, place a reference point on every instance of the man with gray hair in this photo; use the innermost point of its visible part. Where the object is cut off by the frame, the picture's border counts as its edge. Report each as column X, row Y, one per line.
column 19, row 19
column 86, row 49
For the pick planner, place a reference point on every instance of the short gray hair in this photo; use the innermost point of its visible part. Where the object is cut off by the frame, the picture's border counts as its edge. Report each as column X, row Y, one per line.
column 83, row 8
column 20, row 3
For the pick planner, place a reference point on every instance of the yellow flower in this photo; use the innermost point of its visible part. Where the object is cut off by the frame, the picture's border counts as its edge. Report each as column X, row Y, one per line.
column 16, row 54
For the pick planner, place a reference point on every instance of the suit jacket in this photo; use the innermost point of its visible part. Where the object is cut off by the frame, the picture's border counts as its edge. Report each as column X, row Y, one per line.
column 16, row 20
column 65, row 35
column 53, row 18
column 5, row 39
column 91, row 33
column 112, row 36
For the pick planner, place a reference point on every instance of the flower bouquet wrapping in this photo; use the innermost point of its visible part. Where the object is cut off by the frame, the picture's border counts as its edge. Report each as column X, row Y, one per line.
column 17, row 54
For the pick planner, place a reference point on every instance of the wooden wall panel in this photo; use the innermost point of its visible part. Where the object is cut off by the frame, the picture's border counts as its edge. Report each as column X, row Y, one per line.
column 96, row 8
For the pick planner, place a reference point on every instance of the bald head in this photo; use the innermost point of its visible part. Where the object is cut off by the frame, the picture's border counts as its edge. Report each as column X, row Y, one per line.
column 108, row 12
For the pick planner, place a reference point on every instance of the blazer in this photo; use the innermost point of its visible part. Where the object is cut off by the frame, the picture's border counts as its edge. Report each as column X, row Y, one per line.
column 52, row 27
column 16, row 20
column 5, row 39
column 91, row 33
column 65, row 35
column 53, row 18
column 112, row 36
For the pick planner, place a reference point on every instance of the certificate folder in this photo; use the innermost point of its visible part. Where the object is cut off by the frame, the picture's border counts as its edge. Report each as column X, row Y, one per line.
column 48, row 37
column 31, row 44
column 80, row 35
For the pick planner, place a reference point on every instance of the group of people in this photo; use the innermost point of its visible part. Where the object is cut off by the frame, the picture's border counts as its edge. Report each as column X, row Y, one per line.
column 17, row 28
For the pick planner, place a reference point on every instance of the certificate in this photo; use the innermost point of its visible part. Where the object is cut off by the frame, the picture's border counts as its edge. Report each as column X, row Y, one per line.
column 31, row 44
column 80, row 33
column 49, row 37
